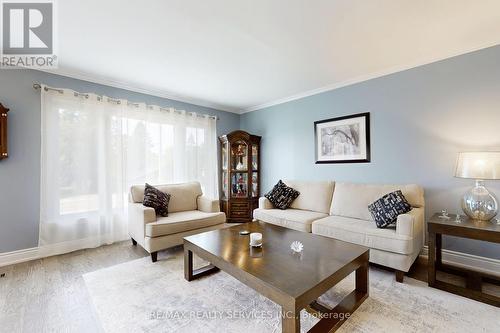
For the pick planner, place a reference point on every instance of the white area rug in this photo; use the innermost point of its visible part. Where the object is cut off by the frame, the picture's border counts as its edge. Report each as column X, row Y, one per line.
column 139, row 296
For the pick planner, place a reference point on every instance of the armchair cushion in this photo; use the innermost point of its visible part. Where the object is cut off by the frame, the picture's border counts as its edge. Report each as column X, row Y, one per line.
column 183, row 221
column 208, row 205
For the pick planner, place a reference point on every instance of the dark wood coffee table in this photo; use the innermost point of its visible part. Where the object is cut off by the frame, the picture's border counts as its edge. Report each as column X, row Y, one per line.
column 294, row 281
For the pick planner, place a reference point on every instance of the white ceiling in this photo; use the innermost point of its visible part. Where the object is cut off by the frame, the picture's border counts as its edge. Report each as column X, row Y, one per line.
column 240, row 55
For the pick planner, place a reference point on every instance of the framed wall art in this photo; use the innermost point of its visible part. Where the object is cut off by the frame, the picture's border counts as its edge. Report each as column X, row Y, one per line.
column 343, row 140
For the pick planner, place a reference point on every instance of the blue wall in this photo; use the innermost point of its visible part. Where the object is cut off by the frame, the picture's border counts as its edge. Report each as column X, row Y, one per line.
column 20, row 173
column 420, row 119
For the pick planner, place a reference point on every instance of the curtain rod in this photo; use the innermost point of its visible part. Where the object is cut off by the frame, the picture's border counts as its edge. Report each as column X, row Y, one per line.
column 38, row 86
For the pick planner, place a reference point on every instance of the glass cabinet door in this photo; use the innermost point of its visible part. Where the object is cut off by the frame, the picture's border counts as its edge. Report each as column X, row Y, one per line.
column 239, row 183
column 224, row 156
column 255, row 157
column 239, row 156
column 225, row 185
column 255, row 184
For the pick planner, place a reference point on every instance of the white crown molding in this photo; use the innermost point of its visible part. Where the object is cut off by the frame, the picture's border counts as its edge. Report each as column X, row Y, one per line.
column 131, row 87
column 361, row 78
column 163, row 94
column 465, row 260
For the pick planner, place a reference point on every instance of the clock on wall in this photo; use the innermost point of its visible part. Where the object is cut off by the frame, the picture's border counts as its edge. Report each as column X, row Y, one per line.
column 3, row 132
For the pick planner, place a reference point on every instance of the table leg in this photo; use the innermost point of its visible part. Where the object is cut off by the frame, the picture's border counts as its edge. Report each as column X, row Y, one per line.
column 362, row 279
column 474, row 281
column 431, row 261
column 290, row 321
column 188, row 264
column 341, row 312
column 191, row 274
column 439, row 246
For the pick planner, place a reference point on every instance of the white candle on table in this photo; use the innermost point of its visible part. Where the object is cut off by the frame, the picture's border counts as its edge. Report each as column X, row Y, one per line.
column 255, row 238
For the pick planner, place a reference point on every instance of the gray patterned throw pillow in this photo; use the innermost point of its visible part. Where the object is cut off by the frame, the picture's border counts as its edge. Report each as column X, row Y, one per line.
column 156, row 199
column 385, row 210
column 282, row 196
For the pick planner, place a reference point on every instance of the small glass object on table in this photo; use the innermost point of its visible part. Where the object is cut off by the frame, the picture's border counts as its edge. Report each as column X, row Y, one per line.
column 444, row 214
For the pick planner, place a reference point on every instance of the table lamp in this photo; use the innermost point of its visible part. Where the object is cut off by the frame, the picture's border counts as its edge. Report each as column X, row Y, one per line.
column 479, row 203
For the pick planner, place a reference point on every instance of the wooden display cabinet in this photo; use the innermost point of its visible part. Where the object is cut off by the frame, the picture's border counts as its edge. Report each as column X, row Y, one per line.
column 240, row 175
column 3, row 132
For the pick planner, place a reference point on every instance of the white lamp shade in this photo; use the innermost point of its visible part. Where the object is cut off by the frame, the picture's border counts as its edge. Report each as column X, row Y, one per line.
column 478, row 165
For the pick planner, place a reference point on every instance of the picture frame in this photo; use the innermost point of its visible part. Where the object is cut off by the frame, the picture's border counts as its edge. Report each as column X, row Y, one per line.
column 343, row 139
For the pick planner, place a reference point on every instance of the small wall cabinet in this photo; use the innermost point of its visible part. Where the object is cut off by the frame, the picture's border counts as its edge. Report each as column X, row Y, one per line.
column 3, row 132
column 240, row 178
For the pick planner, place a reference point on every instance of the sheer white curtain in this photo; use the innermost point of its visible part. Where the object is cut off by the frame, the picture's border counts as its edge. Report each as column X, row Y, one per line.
column 94, row 148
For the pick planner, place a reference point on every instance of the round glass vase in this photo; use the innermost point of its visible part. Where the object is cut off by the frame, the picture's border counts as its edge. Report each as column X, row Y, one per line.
column 480, row 204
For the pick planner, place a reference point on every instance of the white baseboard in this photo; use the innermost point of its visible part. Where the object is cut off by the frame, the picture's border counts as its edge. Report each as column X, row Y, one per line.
column 483, row 264
column 16, row 257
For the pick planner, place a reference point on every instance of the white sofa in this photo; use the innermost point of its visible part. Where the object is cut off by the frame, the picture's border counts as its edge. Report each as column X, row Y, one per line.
column 189, row 212
column 340, row 211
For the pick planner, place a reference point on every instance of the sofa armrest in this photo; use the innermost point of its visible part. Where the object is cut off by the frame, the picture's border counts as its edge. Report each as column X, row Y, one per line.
column 411, row 224
column 208, row 205
column 138, row 216
column 264, row 203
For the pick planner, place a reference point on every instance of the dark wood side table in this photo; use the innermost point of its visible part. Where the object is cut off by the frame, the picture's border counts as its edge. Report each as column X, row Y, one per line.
column 485, row 231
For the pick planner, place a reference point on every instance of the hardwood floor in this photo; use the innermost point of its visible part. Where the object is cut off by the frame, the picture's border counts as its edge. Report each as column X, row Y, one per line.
column 49, row 295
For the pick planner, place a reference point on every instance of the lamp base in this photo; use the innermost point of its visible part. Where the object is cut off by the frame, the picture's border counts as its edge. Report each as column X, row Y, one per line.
column 479, row 203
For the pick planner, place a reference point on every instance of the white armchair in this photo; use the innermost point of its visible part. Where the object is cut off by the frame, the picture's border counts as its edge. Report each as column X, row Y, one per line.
column 189, row 213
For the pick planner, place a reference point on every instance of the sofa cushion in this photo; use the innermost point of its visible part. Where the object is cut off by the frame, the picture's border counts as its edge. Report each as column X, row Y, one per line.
column 352, row 200
column 156, row 199
column 364, row 233
column 291, row 218
column 282, row 195
column 183, row 221
column 385, row 211
column 183, row 196
column 314, row 195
